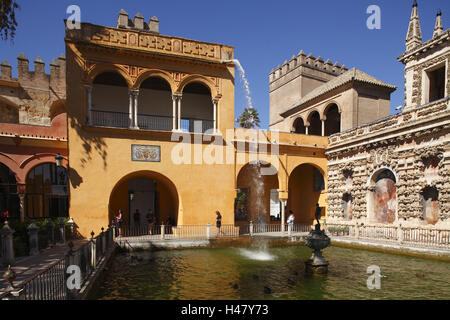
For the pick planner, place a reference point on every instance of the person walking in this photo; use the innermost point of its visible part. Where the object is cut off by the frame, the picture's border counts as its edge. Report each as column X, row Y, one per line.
column 219, row 222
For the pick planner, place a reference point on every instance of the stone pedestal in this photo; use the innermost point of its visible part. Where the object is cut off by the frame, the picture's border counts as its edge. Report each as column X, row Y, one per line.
column 317, row 240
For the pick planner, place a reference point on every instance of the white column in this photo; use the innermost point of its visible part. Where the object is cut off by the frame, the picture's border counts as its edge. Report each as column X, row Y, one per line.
column 283, row 214
column 179, row 111
column 130, row 109
column 307, row 130
column 174, row 112
column 323, row 128
column 135, row 99
column 215, row 102
column 89, row 102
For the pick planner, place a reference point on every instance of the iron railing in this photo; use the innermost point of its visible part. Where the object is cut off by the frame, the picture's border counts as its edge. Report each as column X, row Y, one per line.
column 150, row 122
column 157, row 232
column 147, row 122
column 110, row 119
column 50, row 283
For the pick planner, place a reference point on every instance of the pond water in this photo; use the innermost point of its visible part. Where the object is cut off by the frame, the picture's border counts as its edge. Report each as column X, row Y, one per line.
column 272, row 273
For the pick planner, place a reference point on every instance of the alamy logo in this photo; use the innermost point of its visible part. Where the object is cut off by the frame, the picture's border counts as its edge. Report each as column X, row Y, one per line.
column 374, row 20
column 74, row 280
column 374, row 280
column 74, row 20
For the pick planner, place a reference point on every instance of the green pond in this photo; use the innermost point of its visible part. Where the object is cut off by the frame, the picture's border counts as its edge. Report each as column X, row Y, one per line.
column 270, row 273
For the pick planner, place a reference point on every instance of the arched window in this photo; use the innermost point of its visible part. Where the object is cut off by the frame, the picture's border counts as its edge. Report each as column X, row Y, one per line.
column 333, row 120
column 47, row 192
column 347, row 205
column 110, row 101
column 9, row 200
column 197, row 106
column 430, row 204
column 299, row 126
column 315, row 124
column 155, row 105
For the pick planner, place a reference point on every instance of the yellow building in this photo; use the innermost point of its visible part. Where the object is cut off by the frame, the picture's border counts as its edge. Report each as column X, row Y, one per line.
column 151, row 126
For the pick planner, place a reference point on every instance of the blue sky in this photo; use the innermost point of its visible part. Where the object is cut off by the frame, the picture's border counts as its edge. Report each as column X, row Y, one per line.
column 264, row 33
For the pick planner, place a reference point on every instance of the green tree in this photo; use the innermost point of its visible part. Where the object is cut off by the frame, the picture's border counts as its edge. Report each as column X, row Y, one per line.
column 8, row 21
column 249, row 119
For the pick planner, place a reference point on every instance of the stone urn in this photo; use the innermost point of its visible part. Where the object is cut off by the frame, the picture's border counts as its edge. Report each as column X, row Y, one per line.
column 10, row 276
column 317, row 240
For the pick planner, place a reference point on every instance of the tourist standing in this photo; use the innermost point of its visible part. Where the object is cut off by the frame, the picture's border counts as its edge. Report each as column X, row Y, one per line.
column 119, row 220
column 219, row 222
column 137, row 218
column 290, row 219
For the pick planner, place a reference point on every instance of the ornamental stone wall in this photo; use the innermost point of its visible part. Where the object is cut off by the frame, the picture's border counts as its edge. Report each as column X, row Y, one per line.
column 413, row 145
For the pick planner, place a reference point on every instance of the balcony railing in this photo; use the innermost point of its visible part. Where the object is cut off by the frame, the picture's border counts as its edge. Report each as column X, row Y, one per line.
column 188, row 124
column 146, row 121
column 110, row 119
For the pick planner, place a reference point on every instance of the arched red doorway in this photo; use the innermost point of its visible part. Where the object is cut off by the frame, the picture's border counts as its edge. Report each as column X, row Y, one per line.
column 144, row 190
column 306, row 183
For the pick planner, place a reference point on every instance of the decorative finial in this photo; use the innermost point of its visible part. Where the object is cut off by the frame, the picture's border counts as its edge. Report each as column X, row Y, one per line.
column 415, row 3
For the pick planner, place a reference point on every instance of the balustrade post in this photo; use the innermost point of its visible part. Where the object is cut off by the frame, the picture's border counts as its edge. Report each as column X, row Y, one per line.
column 6, row 234
column 62, row 230
column 251, row 228
column 162, row 232
column 33, row 239
column 289, row 229
column 103, row 240
column 51, row 233
column 93, row 243
column 399, row 233
column 208, row 231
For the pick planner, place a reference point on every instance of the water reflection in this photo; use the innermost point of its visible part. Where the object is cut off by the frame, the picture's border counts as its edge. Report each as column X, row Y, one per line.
column 228, row 274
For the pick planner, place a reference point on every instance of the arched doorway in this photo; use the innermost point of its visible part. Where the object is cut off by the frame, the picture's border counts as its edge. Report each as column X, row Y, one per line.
column 333, row 120
column 9, row 200
column 47, row 192
column 197, row 106
column 256, row 200
column 382, row 197
column 306, row 183
column 142, row 191
column 155, row 105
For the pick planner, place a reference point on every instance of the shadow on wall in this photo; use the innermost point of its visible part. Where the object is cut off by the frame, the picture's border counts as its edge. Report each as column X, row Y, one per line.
column 91, row 144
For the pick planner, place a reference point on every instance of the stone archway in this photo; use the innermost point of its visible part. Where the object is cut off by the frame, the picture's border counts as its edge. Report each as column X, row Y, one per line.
column 305, row 185
column 144, row 190
column 254, row 193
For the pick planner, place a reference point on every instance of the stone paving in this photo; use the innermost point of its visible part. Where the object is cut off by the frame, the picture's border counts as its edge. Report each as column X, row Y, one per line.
column 27, row 267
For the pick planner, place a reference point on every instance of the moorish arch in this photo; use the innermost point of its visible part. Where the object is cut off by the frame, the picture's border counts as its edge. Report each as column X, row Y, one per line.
column 305, row 185
column 298, row 126
column 9, row 199
column 257, row 184
column 110, row 100
column 144, row 190
column 315, row 124
column 197, row 107
column 155, row 104
column 332, row 116
column 382, row 196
